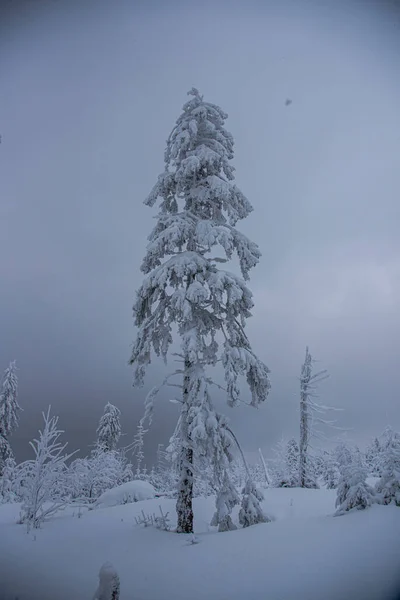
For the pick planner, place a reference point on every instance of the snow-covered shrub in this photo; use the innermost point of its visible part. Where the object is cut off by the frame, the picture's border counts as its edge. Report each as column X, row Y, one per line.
column 132, row 491
column 109, row 584
column 353, row 490
column 161, row 521
column 251, row 512
column 43, row 478
column 90, row 477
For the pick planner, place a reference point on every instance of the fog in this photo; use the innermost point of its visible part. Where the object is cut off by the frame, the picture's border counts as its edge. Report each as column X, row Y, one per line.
column 89, row 94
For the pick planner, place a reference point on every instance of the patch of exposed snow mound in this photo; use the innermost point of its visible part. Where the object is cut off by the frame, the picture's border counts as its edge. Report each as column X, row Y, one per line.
column 131, row 491
column 109, row 585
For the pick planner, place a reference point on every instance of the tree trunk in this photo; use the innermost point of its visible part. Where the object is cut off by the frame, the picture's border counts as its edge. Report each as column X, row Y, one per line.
column 184, row 504
column 303, row 446
column 267, row 480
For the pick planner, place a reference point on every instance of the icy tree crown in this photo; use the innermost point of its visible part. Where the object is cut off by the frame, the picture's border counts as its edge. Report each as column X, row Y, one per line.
column 199, row 202
column 9, row 407
column 199, row 207
column 109, row 429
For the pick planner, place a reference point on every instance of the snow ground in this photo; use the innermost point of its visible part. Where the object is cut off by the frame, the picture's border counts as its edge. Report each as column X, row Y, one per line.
column 305, row 554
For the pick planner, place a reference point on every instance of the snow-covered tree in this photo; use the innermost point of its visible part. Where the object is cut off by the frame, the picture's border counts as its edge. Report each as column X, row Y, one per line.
column 184, row 288
column 5, row 452
column 372, row 454
column 343, row 455
column 227, row 499
column 310, row 413
column 388, row 486
column 353, row 491
column 138, row 444
column 164, row 477
column 330, row 475
column 292, row 463
column 279, row 475
column 251, row 512
column 44, row 477
column 285, row 465
column 8, row 492
column 264, row 468
column 109, row 429
column 9, row 411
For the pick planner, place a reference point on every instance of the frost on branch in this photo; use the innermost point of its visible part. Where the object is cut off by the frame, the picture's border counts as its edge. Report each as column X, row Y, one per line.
column 184, row 289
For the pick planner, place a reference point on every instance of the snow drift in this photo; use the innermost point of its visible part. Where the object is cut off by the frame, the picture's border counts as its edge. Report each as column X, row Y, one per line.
column 131, row 491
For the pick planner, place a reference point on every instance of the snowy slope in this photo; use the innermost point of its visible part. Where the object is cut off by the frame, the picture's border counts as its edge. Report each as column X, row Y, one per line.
column 305, row 554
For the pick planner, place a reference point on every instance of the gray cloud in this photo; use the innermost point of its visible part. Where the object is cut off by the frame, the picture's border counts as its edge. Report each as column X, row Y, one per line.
column 88, row 99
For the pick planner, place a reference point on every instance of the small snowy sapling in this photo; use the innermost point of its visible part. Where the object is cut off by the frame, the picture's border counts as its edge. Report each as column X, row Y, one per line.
column 251, row 512
column 109, row 429
column 353, row 491
column 109, row 584
column 44, row 477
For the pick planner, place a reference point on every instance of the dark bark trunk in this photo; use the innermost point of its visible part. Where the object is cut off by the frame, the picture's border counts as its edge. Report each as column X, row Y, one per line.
column 184, row 504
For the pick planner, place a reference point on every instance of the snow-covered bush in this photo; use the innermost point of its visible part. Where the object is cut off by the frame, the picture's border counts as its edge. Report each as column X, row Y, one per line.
column 251, row 512
column 131, row 491
column 90, row 477
column 43, row 478
column 353, row 490
column 109, row 584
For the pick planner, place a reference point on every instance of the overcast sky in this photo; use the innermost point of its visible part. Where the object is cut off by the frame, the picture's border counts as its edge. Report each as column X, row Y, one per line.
column 89, row 92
